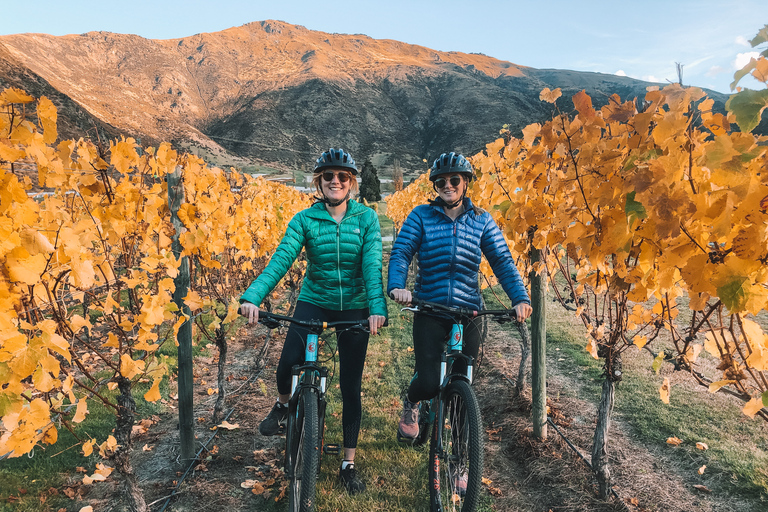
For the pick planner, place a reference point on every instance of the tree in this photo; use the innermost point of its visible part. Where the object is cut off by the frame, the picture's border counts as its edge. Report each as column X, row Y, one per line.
column 397, row 176
column 370, row 186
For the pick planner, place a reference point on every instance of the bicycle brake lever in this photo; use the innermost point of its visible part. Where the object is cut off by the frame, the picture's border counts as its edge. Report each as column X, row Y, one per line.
column 413, row 309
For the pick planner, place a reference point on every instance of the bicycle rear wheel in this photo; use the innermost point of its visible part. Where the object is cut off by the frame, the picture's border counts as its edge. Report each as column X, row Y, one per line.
column 304, row 451
column 456, row 452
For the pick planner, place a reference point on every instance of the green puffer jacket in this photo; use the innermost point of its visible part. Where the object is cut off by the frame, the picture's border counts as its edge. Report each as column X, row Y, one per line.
column 343, row 260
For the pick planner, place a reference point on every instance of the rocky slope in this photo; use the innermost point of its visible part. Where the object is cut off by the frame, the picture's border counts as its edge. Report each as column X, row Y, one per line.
column 274, row 92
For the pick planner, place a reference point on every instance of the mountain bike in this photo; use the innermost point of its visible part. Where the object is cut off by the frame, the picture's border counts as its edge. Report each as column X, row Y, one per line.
column 304, row 433
column 456, row 443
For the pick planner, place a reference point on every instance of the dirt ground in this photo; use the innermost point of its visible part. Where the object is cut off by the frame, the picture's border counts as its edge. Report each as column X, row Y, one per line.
column 526, row 474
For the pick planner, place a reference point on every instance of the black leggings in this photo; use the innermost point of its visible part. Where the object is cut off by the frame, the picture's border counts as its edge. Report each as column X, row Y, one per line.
column 429, row 341
column 352, row 347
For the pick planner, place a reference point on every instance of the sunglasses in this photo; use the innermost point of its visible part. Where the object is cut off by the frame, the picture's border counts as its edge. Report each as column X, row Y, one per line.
column 343, row 176
column 454, row 181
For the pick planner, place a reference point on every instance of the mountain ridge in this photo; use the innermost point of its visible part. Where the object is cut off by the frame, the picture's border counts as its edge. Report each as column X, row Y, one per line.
column 273, row 92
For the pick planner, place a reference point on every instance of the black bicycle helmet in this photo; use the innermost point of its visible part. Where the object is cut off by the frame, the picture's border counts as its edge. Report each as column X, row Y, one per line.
column 449, row 163
column 336, row 159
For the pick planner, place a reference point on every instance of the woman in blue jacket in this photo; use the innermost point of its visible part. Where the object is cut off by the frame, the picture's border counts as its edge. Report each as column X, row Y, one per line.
column 449, row 235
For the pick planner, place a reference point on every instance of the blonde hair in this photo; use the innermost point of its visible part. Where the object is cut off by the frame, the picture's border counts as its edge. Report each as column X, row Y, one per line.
column 354, row 186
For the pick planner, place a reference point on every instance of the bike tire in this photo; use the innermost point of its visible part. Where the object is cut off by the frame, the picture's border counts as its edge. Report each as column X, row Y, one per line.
column 456, row 446
column 305, row 452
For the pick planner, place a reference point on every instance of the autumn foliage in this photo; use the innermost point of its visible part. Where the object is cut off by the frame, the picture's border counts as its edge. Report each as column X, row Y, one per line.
column 86, row 266
column 643, row 209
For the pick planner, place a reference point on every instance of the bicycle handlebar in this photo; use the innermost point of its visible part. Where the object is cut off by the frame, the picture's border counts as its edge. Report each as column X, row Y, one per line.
column 423, row 306
column 273, row 320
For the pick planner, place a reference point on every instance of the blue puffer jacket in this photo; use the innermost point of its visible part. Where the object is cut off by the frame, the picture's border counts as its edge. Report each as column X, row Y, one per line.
column 449, row 254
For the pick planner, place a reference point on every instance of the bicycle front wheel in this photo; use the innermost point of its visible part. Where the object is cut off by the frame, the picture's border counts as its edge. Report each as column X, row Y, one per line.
column 456, row 452
column 305, row 452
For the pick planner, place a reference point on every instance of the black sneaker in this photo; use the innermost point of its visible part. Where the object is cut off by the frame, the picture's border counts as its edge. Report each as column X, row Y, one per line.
column 351, row 480
column 275, row 421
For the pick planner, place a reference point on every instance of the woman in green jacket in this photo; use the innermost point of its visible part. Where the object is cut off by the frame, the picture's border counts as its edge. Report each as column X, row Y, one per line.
column 343, row 281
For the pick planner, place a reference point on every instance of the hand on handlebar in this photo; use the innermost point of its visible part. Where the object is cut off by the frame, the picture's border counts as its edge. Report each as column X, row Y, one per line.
column 523, row 311
column 375, row 322
column 250, row 311
column 401, row 296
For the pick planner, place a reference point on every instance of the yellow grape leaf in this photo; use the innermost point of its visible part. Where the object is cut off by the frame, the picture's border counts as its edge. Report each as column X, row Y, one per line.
column 674, row 441
column 692, row 354
column 87, row 508
column 112, row 341
column 88, row 447
column 487, row 481
column 231, row 312
column 664, row 390
column 14, row 95
column 129, row 367
column 51, row 435
column 81, row 411
column 193, row 300
column 124, row 155
column 752, row 407
column 711, row 344
column 35, row 242
column 715, row 386
column 227, row 425
column 702, row 469
column 550, row 96
column 76, row 322
column 583, row 103
column 10, row 153
column 530, row 132
column 53, row 341
column 47, row 115
column 103, row 469
column 146, row 448
column 758, row 342
column 640, row 341
column 702, row 446
column 592, row 347
column 153, row 395
column 108, row 447
column 24, row 268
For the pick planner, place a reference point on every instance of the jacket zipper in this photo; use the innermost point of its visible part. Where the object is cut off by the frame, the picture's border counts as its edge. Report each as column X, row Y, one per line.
column 338, row 256
column 338, row 263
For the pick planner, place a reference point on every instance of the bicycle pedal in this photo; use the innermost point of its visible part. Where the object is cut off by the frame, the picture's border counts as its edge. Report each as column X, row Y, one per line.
column 331, row 449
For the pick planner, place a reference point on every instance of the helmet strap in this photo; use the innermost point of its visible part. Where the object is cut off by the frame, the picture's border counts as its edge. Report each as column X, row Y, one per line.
column 439, row 201
column 330, row 203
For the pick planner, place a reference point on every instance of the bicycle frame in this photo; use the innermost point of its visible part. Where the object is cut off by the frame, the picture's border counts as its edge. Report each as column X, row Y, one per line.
column 454, row 386
column 310, row 374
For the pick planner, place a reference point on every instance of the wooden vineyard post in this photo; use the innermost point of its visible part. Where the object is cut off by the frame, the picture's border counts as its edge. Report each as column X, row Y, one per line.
column 538, row 348
column 181, row 281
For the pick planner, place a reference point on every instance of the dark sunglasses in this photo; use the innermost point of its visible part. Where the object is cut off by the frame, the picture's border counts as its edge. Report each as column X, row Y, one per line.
column 454, row 180
column 343, row 176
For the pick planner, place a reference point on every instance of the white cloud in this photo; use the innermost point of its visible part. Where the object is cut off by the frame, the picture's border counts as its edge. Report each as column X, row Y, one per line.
column 715, row 70
column 742, row 59
column 650, row 78
column 742, row 41
column 620, row 73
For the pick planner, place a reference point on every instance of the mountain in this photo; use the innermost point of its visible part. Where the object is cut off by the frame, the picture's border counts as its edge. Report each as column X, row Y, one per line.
column 276, row 93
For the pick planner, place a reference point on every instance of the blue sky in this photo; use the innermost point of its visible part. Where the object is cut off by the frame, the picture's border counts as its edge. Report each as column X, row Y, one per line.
column 641, row 39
